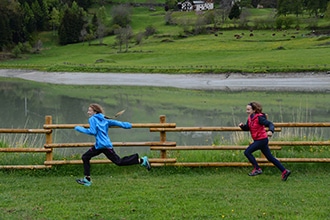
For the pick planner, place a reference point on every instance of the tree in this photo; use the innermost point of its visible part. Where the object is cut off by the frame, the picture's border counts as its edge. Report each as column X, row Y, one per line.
column 40, row 11
column 71, row 25
column 199, row 25
column 285, row 7
column 282, row 7
column 168, row 18
column 101, row 18
column 327, row 12
column 16, row 20
column 139, row 38
column 100, row 32
column 123, row 35
column 268, row 3
column 315, row 7
column 296, row 7
column 255, row 3
column 85, row 4
column 170, row 4
column 225, row 7
column 29, row 21
column 5, row 31
column 121, row 15
column 54, row 20
column 235, row 11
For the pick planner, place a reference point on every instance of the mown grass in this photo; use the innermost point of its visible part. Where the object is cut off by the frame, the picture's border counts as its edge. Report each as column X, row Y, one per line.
column 166, row 193
column 171, row 50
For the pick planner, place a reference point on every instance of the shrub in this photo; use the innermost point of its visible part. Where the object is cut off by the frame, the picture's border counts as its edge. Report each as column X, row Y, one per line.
column 284, row 21
column 17, row 51
column 149, row 31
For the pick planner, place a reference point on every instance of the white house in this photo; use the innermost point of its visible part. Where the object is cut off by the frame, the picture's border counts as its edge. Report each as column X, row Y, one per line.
column 199, row 5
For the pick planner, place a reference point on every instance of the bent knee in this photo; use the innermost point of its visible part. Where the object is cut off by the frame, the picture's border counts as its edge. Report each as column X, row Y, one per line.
column 85, row 158
column 247, row 153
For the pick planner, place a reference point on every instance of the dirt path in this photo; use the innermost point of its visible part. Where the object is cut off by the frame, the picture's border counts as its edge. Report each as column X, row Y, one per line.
column 230, row 82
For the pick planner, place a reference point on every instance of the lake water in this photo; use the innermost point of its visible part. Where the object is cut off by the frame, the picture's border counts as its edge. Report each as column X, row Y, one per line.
column 24, row 104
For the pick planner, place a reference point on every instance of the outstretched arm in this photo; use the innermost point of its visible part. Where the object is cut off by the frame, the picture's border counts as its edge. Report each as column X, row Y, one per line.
column 244, row 127
column 91, row 130
column 125, row 125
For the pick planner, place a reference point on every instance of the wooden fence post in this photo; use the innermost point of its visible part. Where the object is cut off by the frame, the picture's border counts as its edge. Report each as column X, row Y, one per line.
column 49, row 138
column 162, row 119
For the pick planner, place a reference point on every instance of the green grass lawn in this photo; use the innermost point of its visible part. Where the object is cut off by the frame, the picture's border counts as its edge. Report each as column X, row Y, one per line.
column 166, row 193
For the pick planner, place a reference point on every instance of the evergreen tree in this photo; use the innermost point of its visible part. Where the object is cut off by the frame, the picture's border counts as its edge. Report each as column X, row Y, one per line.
column 40, row 11
column 5, row 32
column 71, row 25
column 29, row 24
column 282, row 7
column 255, row 3
column 85, row 4
column 235, row 11
column 54, row 19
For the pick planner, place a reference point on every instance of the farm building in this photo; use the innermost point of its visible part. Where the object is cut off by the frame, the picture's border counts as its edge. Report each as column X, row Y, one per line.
column 196, row 5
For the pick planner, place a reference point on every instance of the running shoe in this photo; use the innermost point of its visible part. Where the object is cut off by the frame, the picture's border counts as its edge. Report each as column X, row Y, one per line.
column 285, row 174
column 146, row 163
column 255, row 172
column 84, row 182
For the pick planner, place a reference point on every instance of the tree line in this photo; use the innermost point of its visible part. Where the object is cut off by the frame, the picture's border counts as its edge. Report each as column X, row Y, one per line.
column 71, row 22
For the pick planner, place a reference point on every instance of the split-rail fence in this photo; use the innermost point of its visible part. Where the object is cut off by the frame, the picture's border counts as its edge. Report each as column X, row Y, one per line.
column 163, row 145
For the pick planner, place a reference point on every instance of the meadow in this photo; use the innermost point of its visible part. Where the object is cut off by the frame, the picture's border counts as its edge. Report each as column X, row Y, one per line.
column 172, row 50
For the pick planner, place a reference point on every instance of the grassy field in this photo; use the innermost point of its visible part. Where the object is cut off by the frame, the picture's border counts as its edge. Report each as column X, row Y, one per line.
column 171, row 50
column 166, row 193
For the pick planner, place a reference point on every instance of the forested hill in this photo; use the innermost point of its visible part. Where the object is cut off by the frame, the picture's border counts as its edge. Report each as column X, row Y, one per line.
column 82, row 20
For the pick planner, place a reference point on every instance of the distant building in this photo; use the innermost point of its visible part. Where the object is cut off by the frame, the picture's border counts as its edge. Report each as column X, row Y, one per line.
column 189, row 5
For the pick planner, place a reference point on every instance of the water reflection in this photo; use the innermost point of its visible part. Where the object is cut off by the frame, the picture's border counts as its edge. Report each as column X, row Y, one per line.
column 25, row 105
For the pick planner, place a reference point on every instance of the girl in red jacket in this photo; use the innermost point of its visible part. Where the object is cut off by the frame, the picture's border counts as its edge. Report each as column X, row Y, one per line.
column 256, row 124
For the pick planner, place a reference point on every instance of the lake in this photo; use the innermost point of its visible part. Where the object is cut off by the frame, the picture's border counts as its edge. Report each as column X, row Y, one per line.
column 26, row 103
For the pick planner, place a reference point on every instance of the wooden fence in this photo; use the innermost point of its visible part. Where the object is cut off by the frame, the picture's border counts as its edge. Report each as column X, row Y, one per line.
column 163, row 145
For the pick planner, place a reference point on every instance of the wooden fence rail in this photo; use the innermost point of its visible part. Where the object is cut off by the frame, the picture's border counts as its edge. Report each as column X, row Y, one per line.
column 163, row 145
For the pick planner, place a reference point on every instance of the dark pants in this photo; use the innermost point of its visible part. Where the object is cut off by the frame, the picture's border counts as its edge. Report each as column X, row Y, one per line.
column 111, row 155
column 263, row 146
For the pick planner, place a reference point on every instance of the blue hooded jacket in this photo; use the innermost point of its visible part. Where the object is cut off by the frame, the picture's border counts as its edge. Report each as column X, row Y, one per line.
column 99, row 127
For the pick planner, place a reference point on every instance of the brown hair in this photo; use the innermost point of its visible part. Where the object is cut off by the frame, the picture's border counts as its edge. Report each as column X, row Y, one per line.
column 96, row 108
column 256, row 106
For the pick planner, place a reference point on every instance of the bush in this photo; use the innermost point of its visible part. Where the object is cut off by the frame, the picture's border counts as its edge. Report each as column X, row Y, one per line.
column 17, row 51
column 149, row 31
column 284, row 22
column 267, row 23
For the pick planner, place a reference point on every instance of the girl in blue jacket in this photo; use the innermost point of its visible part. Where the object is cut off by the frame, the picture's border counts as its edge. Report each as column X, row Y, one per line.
column 99, row 126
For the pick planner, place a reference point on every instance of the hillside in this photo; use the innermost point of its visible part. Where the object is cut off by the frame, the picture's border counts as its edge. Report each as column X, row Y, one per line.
column 191, row 44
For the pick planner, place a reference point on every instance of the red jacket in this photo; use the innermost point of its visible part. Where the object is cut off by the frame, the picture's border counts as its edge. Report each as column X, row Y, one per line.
column 256, row 125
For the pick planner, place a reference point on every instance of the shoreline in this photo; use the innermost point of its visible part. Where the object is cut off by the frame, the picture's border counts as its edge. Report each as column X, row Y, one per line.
column 309, row 81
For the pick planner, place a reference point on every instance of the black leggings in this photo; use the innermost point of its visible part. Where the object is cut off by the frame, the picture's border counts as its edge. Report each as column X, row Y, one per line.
column 263, row 146
column 111, row 155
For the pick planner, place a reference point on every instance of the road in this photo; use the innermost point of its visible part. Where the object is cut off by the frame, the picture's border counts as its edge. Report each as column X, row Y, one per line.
column 230, row 82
